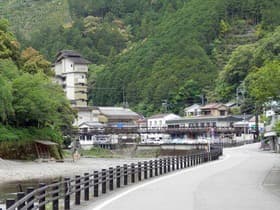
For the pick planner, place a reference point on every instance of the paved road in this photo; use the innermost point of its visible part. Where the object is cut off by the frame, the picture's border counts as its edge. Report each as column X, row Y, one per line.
column 236, row 182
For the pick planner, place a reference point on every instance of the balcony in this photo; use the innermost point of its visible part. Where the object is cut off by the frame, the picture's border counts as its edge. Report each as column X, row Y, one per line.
column 81, row 96
column 81, row 69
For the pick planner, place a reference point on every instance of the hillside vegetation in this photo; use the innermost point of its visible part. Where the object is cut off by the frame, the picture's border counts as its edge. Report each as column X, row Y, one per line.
column 32, row 107
column 29, row 16
column 149, row 52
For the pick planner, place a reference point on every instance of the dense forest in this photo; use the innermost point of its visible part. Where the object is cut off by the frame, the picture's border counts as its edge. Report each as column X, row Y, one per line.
column 32, row 107
column 151, row 52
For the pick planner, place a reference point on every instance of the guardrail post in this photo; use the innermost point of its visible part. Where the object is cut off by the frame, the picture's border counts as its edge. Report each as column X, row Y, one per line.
column 28, row 191
column 111, row 178
column 67, row 189
column 160, row 166
column 132, row 167
column 86, row 186
column 181, row 162
column 145, row 170
column 168, row 164
column 77, row 190
column 156, row 167
column 139, row 171
column 177, row 162
column 185, row 161
column 103, row 180
column 125, row 174
column 192, row 160
column 164, row 166
column 173, row 163
column 95, row 183
column 20, row 195
column 151, row 168
column 43, row 198
column 118, row 176
column 55, row 196
column 9, row 202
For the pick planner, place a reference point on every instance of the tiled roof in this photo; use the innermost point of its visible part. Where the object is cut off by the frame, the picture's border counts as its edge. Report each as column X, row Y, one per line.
column 158, row 116
column 212, row 106
column 78, row 60
column 118, row 113
column 74, row 56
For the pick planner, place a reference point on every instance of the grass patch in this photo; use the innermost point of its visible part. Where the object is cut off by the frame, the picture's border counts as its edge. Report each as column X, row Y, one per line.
column 98, row 153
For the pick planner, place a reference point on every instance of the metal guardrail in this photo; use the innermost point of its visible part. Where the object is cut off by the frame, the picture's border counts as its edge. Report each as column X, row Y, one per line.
column 72, row 191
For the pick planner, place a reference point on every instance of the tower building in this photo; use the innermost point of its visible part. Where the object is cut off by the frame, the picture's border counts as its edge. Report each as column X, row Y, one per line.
column 71, row 71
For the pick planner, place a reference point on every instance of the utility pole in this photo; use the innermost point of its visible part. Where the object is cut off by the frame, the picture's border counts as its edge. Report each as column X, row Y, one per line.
column 165, row 105
column 202, row 99
column 240, row 91
column 257, row 121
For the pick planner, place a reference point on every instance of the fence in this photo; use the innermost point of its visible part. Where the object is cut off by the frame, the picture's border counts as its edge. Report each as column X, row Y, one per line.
column 73, row 191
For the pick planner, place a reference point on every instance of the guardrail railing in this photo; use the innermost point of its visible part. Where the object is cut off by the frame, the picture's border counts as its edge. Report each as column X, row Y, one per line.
column 72, row 191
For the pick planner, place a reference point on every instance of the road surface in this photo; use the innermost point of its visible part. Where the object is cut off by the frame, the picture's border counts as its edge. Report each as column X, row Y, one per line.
column 240, row 180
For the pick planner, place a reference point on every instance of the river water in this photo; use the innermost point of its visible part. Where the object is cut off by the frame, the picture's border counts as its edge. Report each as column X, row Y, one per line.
column 9, row 189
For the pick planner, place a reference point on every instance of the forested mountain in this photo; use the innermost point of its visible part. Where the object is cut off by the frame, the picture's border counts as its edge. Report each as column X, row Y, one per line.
column 147, row 52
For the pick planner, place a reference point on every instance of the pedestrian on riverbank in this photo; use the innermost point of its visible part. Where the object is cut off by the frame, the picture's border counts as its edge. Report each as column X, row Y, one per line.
column 75, row 155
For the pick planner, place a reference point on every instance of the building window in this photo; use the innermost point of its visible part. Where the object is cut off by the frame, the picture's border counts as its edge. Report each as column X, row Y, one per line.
column 214, row 124
column 222, row 112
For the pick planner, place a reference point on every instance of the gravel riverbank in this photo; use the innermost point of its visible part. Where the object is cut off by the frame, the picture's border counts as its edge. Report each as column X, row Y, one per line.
column 11, row 171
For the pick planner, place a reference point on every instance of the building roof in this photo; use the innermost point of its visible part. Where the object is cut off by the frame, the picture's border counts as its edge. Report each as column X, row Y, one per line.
column 46, row 142
column 247, row 117
column 194, row 106
column 84, row 108
column 228, row 118
column 74, row 56
column 77, row 60
column 157, row 116
column 92, row 124
column 212, row 106
column 118, row 113
column 230, row 104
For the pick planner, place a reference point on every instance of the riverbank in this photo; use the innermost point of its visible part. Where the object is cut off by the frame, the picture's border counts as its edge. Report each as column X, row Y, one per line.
column 11, row 171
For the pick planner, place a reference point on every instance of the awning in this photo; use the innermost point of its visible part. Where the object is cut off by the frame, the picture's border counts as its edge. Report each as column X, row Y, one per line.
column 48, row 143
column 270, row 134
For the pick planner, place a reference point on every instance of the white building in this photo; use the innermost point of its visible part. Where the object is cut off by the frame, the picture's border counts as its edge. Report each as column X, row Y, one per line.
column 159, row 120
column 71, row 73
column 193, row 110
column 86, row 114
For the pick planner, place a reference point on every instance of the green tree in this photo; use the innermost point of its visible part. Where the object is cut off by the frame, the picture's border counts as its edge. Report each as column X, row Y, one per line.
column 8, row 45
column 40, row 103
column 33, row 62
column 6, row 107
column 264, row 82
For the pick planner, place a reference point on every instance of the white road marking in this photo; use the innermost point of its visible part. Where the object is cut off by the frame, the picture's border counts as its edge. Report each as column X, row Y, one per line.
column 111, row 200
